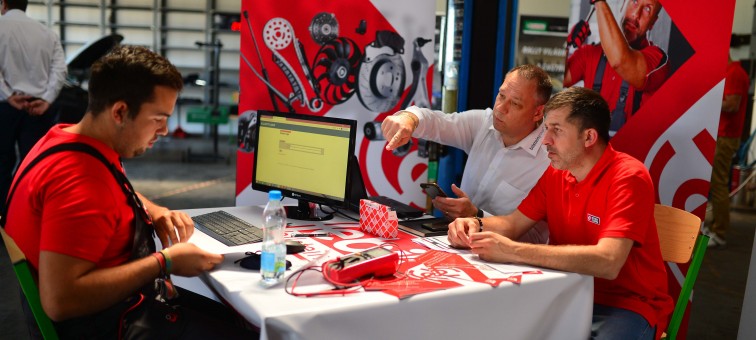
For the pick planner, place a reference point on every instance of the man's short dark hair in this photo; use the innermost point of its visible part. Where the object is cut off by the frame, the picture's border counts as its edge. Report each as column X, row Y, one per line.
column 588, row 110
column 129, row 74
column 16, row 4
column 542, row 79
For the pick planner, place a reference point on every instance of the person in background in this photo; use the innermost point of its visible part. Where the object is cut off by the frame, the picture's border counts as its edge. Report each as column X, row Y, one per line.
column 503, row 144
column 599, row 205
column 88, row 235
column 626, row 68
column 731, row 121
column 32, row 72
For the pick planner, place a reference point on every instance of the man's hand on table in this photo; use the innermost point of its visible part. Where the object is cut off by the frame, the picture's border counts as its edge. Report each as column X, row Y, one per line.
column 493, row 247
column 461, row 230
column 189, row 260
column 172, row 226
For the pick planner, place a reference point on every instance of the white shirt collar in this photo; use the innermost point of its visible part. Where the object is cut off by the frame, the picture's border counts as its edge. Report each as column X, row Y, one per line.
column 14, row 13
column 531, row 143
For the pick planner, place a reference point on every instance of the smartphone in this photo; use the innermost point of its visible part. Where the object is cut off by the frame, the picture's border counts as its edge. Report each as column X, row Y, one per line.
column 433, row 190
column 437, row 226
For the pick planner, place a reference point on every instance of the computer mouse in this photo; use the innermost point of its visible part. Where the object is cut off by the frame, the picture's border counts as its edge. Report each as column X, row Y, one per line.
column 293, row 247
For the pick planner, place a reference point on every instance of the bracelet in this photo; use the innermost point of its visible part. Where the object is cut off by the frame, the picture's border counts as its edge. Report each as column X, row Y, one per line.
column 415, row 120
column 161, row 261
column 168, row 262
column 480, row 223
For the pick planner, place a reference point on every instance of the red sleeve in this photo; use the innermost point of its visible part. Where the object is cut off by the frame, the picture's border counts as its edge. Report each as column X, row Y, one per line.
column 630, row 211
column 576, row 65
column 735, row 82
column 76, row 199
column 658, row 68
column 534, row 205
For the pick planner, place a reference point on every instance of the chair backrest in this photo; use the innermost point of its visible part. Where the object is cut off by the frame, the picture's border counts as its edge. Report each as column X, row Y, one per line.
column 28, row 286
column 679, row 238
column 677, row 230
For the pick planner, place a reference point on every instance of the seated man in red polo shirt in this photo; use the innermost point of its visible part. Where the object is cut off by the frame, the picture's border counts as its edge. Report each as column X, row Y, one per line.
column 599, row 204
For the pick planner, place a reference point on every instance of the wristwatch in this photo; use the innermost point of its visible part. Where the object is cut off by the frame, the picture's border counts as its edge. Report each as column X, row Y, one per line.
column 479, row 213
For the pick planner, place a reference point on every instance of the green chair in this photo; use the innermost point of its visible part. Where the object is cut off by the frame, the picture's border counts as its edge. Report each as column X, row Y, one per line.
column 679, row 238
column 28, row 286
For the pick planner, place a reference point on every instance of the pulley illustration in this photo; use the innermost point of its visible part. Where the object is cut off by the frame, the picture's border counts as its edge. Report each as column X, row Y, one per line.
column 324, row 28
column 278, row 34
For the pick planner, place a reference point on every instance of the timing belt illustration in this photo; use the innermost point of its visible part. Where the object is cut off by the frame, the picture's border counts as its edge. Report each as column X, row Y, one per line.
column 272, row 91
column 278, row 34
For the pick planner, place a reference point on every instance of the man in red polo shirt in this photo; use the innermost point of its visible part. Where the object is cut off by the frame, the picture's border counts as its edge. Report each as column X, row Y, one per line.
column 626, row 68
column 731, row 119
column 599, row 204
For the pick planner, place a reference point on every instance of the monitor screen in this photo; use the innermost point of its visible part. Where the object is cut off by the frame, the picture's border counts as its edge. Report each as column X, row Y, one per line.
column 306, row 157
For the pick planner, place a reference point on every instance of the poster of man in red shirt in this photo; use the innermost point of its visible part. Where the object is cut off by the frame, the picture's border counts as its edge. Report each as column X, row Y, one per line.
column 673, row 130
column 625, row 66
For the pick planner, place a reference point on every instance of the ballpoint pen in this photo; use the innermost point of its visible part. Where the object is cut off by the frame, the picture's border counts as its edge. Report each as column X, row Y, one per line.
column 312, row 235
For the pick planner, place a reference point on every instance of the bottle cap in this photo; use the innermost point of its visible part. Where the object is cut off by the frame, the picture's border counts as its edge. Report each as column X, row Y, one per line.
column 274, row 195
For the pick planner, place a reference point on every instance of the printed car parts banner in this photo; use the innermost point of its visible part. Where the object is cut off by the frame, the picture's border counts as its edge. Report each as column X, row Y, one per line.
column 670, row 121
column 360, row 60
column 671, row 126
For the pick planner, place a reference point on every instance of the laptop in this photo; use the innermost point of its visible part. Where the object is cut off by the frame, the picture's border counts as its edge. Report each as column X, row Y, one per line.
column 403, row 211
column 426, row 227
column 357, row 191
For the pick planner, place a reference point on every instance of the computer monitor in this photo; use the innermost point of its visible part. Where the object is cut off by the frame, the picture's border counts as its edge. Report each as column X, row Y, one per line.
column 306, row 157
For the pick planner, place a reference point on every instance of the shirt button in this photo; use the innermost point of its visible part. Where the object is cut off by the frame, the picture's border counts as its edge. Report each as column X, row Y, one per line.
column 577, row 195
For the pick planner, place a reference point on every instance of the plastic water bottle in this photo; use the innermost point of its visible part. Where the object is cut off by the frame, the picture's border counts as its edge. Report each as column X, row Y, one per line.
column 273, row 258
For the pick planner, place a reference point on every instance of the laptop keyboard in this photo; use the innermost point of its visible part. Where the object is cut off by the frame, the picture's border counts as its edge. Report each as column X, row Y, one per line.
column 227, row 229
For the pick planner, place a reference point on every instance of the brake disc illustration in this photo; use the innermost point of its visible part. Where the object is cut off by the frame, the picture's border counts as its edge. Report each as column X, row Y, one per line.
column 381, row 74
column 278, row 34
column 335, row 69
column 324, row 28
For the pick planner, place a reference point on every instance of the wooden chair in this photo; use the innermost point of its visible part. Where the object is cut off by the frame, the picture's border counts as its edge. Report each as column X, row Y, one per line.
column 679, row 238
column 28, row 286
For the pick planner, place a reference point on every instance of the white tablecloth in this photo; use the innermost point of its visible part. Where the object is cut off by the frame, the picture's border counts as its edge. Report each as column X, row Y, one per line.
column 552, row 305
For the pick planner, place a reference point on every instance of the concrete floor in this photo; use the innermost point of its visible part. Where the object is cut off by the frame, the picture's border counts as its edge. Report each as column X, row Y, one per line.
column 162, row 176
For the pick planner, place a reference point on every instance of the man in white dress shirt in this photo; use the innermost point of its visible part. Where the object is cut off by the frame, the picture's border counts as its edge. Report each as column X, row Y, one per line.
column 32, row 72
column 503, row 144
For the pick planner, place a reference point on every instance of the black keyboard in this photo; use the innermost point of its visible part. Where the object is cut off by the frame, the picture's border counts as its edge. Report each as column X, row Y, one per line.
column 402, row 210
column 228, row 229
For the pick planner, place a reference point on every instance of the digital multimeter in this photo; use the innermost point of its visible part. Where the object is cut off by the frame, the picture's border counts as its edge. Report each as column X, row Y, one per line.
column 376, row 261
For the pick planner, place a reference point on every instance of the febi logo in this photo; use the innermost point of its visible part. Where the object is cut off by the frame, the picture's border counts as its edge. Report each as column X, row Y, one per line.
column 594, row 219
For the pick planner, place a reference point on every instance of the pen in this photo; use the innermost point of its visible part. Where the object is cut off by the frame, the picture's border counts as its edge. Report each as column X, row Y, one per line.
column 312, row 235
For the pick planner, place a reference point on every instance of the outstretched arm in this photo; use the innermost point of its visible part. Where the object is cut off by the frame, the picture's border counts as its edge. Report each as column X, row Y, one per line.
column 629, row 63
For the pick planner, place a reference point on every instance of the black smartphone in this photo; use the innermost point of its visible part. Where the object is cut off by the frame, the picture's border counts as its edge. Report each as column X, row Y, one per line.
column 433, row 190
column 437, row 226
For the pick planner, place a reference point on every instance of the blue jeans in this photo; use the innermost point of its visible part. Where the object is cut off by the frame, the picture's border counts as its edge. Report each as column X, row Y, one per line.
column 618, row 323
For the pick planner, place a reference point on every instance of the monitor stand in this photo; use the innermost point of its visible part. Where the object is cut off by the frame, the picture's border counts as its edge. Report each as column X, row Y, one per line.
column 305, row 212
